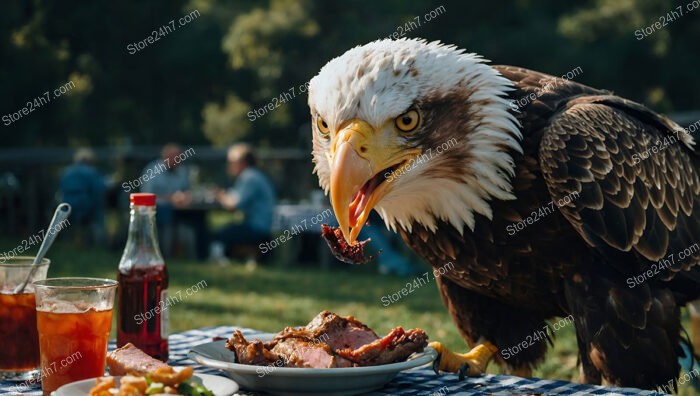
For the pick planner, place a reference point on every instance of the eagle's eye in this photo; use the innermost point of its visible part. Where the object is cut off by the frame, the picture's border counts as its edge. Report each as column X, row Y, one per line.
column 408, row 121
column 322, row 126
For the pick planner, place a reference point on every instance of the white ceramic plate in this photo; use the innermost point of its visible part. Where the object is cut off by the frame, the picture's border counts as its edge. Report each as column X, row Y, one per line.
column 290, row 381
column 221, row 386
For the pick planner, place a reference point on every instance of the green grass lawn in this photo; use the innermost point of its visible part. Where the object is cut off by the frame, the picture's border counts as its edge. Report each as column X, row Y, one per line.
column 270, row 297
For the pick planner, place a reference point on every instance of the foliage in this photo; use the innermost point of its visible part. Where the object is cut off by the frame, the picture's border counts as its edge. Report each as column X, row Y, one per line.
column 199, row 83
column 224, row 125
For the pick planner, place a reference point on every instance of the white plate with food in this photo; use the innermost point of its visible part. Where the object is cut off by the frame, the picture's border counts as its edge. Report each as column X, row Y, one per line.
column 133, row 372
column 346, row 357
column 218, row 385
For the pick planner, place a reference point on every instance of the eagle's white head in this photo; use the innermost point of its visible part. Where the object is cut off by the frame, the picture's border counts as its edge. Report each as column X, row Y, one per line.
column 418, row 131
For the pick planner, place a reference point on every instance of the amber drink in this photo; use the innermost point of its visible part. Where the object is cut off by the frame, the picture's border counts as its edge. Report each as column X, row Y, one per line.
column 19, row 355
column 74, row 317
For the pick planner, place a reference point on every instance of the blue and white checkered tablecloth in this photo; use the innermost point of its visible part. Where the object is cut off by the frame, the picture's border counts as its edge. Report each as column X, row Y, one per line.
column 420, row 381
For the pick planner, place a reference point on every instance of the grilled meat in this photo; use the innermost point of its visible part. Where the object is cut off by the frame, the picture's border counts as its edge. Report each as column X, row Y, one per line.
column 341, row 249
column 131, row 360
column 253, row 352
column 329, row 341
column 394, row 347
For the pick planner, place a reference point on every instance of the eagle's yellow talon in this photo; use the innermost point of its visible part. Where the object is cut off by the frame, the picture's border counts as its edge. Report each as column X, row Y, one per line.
column 472, row 363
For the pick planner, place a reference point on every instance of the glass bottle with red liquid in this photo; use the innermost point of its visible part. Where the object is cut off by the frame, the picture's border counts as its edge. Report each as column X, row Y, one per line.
column 142, row 316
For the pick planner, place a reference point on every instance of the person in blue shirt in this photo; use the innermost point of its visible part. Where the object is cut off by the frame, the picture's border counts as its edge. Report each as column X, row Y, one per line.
column 253, row 195
column 83, row 187
column 169, row 179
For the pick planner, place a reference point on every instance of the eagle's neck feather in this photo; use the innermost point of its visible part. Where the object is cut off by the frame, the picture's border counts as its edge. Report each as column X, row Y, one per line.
column 484, row 173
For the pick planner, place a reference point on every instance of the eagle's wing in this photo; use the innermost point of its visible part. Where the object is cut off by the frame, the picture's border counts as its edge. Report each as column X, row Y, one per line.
column 636, row 200
column 632, row 183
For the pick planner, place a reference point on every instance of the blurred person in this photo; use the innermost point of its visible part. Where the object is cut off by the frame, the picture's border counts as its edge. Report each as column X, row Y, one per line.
column 83, row 187
column 253, row 195
column 169, row 180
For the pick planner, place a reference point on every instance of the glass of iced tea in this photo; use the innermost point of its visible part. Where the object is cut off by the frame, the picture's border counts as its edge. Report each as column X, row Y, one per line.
column 19, row 353
column 74, row 316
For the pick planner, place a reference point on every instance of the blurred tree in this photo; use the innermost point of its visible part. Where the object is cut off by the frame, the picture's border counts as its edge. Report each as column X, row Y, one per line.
column 262, row 41
column 215, row 78
column 224, row 125
column 154, row 94
column 655, row 69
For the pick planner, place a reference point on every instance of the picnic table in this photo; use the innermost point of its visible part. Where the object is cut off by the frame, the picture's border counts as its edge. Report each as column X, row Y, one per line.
column 290, row 221
column 418, row 381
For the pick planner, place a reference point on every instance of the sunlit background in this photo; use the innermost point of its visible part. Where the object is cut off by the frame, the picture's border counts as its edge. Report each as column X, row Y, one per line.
column 124, row 78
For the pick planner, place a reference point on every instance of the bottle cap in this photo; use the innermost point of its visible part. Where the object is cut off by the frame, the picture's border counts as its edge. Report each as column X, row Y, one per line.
column 143, row 199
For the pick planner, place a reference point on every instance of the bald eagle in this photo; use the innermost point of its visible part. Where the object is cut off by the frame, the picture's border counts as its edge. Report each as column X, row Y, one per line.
column 554, row 200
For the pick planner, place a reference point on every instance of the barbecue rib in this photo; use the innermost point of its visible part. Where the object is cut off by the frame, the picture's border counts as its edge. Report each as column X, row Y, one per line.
column 329, row 341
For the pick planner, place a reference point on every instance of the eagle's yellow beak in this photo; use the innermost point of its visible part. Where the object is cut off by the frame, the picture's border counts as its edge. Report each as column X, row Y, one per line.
column 360, row 165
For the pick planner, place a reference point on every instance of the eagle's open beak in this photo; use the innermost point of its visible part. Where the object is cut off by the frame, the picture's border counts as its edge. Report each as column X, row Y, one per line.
column 360, row 165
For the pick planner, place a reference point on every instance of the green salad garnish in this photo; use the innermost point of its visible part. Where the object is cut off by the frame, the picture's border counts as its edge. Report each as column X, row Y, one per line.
column 193, row 389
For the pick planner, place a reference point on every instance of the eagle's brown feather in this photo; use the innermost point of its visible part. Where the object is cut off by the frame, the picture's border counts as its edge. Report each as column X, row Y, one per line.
column 633, row 211
column 624, row 216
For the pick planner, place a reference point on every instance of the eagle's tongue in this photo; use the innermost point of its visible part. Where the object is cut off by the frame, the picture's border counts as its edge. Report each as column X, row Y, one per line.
column 359, row 202
column 356, row 207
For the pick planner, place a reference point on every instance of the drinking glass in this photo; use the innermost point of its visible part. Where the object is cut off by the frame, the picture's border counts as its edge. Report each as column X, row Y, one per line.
column 74, row 316
column 19, row 354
